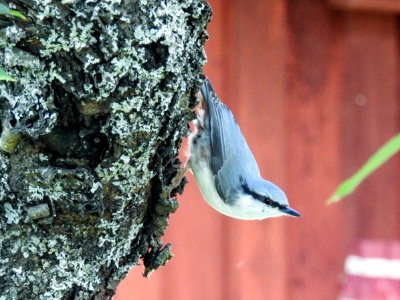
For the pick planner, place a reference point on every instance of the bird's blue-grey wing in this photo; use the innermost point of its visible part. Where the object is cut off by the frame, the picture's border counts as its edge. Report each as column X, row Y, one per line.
column 230, row 154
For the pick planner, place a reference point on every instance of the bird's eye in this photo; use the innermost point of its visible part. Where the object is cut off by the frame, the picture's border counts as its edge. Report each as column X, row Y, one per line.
column 271, row 202
column 267, row 200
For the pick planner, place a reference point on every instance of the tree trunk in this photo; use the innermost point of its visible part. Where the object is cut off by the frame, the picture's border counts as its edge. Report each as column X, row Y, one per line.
column 90, row 134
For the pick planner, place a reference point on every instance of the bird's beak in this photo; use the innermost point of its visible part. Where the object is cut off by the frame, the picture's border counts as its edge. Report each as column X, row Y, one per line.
column 290, row 211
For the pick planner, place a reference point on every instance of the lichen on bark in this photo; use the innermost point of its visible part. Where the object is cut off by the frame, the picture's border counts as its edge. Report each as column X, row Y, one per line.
column 89, row 139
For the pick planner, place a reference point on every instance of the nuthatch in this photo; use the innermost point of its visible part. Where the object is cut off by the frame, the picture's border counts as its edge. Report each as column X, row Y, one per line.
column 225, row 169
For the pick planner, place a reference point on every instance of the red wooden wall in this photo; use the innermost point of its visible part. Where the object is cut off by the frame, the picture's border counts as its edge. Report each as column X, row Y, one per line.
column 315, row 88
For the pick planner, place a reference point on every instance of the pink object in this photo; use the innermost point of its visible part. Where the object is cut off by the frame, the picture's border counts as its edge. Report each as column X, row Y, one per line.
column 372, row 271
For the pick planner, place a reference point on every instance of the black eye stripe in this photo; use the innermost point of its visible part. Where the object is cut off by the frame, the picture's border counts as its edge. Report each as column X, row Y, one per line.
column 268, row 201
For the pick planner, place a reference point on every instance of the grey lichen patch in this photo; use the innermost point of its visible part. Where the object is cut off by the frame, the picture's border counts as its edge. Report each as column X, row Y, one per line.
column 39, row 211
column 89, row 139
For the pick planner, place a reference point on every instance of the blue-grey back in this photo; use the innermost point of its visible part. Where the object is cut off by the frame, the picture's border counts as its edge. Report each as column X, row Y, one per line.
column 231, row 157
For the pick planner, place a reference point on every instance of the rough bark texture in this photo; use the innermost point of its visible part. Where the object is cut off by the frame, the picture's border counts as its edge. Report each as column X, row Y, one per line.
column 89, row 139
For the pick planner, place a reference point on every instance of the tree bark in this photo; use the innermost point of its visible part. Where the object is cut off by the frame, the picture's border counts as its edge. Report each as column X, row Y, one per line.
column 89, row 140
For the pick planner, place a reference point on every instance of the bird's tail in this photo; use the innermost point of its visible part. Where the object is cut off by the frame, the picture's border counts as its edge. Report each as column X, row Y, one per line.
column 206, row 87
column 208, row 96
column 207, row 92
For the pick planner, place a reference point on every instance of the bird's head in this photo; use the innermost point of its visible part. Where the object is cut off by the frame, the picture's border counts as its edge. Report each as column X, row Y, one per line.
column 268, row 193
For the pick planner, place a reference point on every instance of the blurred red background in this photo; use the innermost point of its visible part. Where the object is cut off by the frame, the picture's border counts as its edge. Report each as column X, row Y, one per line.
column 314, row 86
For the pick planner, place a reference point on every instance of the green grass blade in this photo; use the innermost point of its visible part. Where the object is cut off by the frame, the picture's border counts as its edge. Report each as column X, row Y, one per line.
column 17, row 14
column 5, row 76
column 374, row 162
column 4, row 10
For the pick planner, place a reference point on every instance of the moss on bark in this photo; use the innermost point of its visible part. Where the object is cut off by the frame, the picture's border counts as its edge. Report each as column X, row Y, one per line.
column 90, row 134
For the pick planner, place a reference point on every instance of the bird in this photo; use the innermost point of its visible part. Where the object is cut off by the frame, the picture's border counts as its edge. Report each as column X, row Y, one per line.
column 224, row 167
